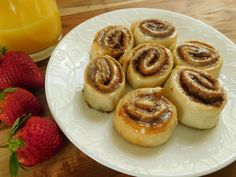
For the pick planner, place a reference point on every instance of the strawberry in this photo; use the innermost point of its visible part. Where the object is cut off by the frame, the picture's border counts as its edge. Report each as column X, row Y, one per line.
column 17, row 101
column 33, row 140
column 17, row 69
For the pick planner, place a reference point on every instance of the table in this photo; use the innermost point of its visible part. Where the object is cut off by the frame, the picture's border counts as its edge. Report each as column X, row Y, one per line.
column 71, row 162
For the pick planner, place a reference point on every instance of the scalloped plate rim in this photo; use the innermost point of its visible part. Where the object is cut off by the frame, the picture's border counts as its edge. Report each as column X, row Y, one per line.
column 220, row 165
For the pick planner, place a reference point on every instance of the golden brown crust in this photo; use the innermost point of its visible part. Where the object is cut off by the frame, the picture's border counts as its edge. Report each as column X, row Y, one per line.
column 148, row 65
column 198, row 54
column 156, row 28
column 104, row 74
column 115, row 40
column 199, row 98
column 150, row 60
column 149, row 110
column 201, row 87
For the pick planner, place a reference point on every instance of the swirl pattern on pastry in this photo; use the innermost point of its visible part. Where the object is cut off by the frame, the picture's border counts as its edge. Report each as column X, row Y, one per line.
column 148, row 109
column 199, row 55
column 105, row 74
column 145, row 117
column 201, row 87
column 154, row 30
column 198, row 96
column 113, row 41
column 105, row 81
column 149, row 65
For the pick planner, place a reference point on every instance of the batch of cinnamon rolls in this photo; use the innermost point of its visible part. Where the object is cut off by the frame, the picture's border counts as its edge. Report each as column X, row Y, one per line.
column 172, row 82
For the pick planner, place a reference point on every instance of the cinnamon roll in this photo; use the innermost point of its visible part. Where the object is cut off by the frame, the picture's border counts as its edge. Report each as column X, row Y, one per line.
column 113, row 41
column 104, row 83
column 145, row 117
column 154, row 31
column 198, row 96
column 199, row 55
column 149, row 65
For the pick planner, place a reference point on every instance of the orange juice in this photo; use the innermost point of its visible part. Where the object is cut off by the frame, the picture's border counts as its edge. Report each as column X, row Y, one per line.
column 29, row 25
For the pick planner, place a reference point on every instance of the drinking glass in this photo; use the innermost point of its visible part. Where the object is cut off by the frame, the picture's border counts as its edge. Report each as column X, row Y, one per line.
column 32, row 26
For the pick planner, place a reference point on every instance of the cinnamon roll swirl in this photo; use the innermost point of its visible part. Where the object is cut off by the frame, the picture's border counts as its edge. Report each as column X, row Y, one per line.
column 104, row 83
column 198, row 96
column 154, row 31
column 149, row 65
column 113, row 41
column 145, row 117
column 199, row 55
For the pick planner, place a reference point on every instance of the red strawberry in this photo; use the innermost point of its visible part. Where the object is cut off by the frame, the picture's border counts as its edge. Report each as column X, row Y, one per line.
column 18, row 70
column 32, row 141
column 17, row 101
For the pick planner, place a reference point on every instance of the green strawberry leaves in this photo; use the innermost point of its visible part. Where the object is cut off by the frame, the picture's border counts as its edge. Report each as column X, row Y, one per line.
column 2, row 95
column 7, row 90
column 14, row 144
column 18, row 123
column 13, row 164
column 3, row 50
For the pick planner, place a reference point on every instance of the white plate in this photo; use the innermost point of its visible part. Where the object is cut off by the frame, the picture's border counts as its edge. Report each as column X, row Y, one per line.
column 189, row 152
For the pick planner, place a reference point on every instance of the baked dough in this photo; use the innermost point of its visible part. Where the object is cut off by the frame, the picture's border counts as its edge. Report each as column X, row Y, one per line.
column 104, row 83
column 199, row 97
column 154, row 31
column 149, row 65
column 113, row 41
column 199, row 55
column 145, row 117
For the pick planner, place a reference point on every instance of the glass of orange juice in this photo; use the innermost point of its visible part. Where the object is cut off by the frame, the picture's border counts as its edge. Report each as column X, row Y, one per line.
column 33, row 26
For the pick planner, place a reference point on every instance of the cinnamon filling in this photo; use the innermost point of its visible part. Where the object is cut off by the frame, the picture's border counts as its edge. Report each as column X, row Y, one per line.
column 156, row 28
column 148, row 109
column 201, row 87
column 105, row 74
column 198, row 53
column 149, row 61
column 114, row 38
